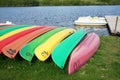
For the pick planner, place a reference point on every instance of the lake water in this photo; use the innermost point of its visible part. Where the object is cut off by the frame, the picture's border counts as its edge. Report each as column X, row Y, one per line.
column 56, row 15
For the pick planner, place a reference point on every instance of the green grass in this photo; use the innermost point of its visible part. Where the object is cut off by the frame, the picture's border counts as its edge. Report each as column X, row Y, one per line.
column 104, row 65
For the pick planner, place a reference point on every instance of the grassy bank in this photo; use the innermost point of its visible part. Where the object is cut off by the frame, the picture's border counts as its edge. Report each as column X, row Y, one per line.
column 104, row 65
column 57, row 2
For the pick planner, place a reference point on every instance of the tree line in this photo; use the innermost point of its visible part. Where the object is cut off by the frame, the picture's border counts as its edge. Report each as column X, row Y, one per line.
column 56, row 2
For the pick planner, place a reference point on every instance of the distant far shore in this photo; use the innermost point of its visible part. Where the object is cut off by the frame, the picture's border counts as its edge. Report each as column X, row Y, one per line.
column 8, row 3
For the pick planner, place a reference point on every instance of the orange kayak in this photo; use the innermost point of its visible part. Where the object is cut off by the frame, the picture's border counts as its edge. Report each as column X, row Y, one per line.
column 12, row 49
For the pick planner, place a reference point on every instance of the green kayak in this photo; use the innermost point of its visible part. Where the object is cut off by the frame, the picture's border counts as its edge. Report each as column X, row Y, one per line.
column 2, row 32
column 27, row 52
column 63, row 50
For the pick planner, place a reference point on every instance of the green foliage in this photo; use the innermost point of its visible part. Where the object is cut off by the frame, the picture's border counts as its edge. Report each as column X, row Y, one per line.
column 104, row 65
column 18, row 3
column 55, row 2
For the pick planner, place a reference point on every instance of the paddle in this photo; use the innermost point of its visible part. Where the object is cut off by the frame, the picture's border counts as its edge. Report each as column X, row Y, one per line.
column 10, row 39
column 12, row 49
column 27, row 52
column 63, row 50
column 43, row 51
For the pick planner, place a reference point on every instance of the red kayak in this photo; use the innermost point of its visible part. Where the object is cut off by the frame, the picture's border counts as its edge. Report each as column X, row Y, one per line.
column 12, row 49
column 83, row 52
column 10, row 39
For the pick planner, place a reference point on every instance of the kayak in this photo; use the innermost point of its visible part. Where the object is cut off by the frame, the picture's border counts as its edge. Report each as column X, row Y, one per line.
column 16, row 45
column 10, row 39
column 63, row 50
column 14, row 32
column 2, row 32
column 83, row 52
column 27, row 52
column 43, row 51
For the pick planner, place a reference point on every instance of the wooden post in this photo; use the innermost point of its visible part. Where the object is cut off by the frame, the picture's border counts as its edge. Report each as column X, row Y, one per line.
column 116, row 24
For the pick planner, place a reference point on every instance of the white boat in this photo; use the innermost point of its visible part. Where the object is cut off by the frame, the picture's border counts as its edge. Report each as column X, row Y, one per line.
column 6, row 24
column 89, row 21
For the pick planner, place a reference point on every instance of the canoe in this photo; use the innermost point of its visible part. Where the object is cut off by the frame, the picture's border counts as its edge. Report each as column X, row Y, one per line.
column 63, row 50
column 90, row 21
column 10, row 39
column 83, row 52
column 16, row 45
column 2, row 32
column 43, row 51
column 14, row 32
column 27, row 52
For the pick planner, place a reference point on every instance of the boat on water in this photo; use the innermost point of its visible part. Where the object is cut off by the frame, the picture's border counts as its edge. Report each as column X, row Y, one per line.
column 8, row 23
column 90, row 21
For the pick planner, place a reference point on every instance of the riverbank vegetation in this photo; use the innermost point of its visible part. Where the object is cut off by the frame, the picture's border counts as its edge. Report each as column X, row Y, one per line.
column 57, row 2
column 104, row 65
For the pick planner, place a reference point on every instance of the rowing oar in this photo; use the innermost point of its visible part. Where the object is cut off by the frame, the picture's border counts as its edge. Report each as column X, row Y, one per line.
column 10, row 39
column 12, row 49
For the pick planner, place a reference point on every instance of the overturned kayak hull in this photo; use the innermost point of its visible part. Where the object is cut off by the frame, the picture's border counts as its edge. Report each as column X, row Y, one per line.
column 27, row 52
column 83, row 52
column 2, row 32
column 19, row 43
column 43, row 51
column 10, row 39
column 13, row 32
column 63, row 50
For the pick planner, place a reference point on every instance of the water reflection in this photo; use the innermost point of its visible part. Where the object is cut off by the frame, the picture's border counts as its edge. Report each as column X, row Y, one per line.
column 101, row 30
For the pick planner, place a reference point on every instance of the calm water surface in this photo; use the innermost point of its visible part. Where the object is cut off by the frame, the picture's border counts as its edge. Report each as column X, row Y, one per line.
column 56, row 15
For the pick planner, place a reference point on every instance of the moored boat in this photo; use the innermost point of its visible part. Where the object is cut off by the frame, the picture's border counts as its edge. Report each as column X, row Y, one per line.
column 90, row 21
column 8, row 23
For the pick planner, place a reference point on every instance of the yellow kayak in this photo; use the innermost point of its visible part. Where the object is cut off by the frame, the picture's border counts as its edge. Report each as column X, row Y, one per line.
column 44, row 50
column 14, row 32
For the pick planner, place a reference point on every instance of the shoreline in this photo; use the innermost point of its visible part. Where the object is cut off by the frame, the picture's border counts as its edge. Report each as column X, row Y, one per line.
column 59, row 6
